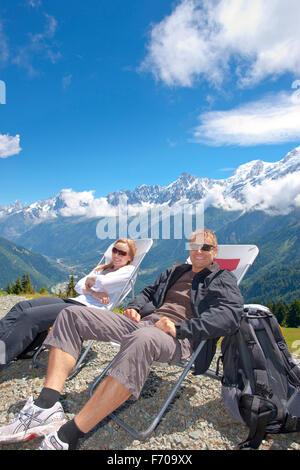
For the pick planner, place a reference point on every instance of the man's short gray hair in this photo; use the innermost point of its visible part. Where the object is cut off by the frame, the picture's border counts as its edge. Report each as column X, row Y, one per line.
column 202, row 232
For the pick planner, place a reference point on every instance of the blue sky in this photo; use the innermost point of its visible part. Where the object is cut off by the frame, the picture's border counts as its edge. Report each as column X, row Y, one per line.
column 106, row 95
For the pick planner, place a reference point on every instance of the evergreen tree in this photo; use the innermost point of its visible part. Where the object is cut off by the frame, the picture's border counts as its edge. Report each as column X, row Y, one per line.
column 9, row 288
column 293, row 314
column 280, row 312
column 17, row 287
column 26, row 284
column 71, row 292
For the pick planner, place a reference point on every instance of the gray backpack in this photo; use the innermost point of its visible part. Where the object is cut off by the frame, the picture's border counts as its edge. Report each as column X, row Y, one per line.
column 261, row 381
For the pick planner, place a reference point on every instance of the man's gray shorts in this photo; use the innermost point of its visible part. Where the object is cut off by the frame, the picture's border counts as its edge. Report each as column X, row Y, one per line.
column 140, row 343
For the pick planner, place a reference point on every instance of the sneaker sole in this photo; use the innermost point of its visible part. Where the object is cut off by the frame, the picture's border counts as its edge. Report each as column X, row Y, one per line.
column 31, row 433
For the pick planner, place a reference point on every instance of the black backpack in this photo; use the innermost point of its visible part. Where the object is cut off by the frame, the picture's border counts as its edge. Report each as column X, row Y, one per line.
column 261, row 381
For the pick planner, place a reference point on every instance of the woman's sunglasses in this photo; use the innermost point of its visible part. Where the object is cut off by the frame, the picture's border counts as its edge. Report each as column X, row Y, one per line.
column 119, row 252
column 197, row 246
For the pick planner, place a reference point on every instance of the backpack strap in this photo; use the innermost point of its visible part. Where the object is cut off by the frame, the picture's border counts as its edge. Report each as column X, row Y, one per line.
column 260, row 376
column 292, row 367
column 261, row 413
column 256, row 409
column 292, row 424
column 281, row 411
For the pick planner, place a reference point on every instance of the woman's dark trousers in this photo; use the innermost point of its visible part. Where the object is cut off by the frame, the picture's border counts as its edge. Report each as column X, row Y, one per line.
column 24, row 322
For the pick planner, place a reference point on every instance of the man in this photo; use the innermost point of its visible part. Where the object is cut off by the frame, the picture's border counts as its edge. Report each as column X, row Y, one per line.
column 187, row 303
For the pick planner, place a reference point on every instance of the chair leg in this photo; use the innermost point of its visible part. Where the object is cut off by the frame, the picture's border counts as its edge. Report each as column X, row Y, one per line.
column 36, row 363
column 157, row 418
column 213, row 375
column 82, row 358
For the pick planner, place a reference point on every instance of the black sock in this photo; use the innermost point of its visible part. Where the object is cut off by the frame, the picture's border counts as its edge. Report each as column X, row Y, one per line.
column 47, row 398
column 70, row 433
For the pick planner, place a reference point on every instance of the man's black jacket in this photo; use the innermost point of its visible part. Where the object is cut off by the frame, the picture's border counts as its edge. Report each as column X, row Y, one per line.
column 216, row 303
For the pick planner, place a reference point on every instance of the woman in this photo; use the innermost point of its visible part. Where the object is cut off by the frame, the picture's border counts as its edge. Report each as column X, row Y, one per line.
column 100, row 288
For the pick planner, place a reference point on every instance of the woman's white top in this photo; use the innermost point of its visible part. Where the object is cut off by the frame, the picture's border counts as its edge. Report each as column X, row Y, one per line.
column 112, row 283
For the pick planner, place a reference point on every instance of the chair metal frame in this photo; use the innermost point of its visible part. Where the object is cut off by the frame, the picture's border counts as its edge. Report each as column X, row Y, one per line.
column 143, row 245
column 244, row 251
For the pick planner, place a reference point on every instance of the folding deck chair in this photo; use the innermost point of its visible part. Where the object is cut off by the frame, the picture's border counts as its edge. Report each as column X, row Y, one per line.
column 235, row 258
column 143, row 245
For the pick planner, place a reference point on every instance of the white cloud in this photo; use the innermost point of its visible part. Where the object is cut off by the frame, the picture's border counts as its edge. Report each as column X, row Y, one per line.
column 201, row 39
column 171, row 142
column 217, row 198
column 272, row 120
column 66, row 81
column 231, row 169
column 40, row 44
column 178, row 50
column 296, row 84
column 84, row 204
column 4, row 49
column 275, row 196
column 278, row 196
column 9, row 145
column 34, row 3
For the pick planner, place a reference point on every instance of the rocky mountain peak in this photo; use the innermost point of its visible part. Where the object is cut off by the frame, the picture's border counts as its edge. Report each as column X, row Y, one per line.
column 255, row 184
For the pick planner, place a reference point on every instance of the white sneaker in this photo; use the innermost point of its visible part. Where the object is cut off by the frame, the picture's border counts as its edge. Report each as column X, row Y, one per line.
column 33, row 421
column 52, row 442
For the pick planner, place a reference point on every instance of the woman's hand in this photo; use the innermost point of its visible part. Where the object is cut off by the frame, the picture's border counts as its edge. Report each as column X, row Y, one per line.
column 101, row 297
column 132, row 314
column 90, row 281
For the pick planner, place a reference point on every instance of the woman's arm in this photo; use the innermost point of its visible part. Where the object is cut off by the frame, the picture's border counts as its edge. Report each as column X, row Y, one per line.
column 108, row 283
column 114, row 281
column 101, row 297
column 81, row 284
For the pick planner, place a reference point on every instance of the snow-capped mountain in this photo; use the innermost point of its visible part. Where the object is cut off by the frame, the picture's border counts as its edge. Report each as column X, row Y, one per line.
column 259, row 202
column 272, row 187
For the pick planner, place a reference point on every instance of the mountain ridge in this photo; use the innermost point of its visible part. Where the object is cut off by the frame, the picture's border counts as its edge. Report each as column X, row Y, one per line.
column 259, row 203
column 245, row 189
column 15, row 260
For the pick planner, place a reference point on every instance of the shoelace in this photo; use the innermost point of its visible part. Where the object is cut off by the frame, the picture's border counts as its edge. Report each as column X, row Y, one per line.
column 26, row 417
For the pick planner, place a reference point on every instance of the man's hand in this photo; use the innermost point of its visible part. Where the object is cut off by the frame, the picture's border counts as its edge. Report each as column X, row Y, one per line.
column 166, row 325
column 132, row 314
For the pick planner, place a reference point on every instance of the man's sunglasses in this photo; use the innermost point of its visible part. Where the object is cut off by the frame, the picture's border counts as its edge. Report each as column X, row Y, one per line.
column 198, row 246
column 119, row 252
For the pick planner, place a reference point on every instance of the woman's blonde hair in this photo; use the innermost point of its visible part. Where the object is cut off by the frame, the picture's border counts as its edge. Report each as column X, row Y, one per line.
column 132, row 250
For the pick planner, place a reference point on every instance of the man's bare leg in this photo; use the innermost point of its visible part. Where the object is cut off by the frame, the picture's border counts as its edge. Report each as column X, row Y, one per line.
column 108, row 396
column 60, row 364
